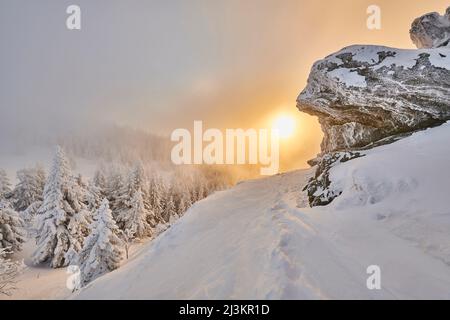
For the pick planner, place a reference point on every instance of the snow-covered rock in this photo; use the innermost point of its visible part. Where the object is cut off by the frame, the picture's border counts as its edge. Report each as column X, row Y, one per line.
column 431, row 30
column 318, row 187
column 365, row 93
column 362, row 94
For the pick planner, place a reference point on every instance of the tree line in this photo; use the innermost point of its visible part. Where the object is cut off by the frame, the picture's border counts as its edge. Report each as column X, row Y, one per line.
column 92, row 222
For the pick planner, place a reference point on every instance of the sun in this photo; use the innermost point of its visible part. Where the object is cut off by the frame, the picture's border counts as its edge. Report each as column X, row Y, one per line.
column 285, row 126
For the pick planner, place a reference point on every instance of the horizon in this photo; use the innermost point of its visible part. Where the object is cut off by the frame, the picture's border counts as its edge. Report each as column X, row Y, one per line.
column 160, row 66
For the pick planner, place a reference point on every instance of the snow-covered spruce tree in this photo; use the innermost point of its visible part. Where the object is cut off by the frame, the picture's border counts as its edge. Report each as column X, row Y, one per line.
column 5, row 185
column 198, row 188
column 154, row 200
column 180, row 206
column 177, row 199
column 131, row 210
column 102, row 250
column 29, row 189
column 100, row 181
column 29, row 216
column 155, row 195
column 127, row 238
column 61, row 219
column 8, row 272
column 11, row 228
column 114, row 185
column 91, row 195
column 170, row 214
column 182, row 197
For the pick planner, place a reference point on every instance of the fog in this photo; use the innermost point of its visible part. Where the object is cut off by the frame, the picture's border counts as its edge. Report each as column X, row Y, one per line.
column 160, row 65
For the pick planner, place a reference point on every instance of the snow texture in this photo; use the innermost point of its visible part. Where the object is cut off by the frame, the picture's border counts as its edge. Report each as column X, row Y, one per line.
column 259, row 241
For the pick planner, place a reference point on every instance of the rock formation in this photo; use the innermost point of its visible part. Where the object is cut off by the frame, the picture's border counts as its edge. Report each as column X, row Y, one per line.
column 363, row 94
column 431, row 30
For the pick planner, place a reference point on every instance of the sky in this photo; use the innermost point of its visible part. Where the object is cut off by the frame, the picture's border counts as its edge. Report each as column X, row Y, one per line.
column 158, row 65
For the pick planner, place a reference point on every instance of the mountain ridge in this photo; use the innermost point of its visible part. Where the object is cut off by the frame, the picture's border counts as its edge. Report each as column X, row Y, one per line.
column 259, row 240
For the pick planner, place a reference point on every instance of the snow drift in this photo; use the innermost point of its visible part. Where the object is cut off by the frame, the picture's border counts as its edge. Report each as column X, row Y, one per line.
column 259, row 241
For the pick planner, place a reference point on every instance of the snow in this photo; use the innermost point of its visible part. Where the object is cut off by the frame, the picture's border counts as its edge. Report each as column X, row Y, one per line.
column 350, row 77
column 407, row 59
column 38, row 283
column 367, row 54
column 42, row 282
column 259, row 240
column 412, row 196
column 440, row 58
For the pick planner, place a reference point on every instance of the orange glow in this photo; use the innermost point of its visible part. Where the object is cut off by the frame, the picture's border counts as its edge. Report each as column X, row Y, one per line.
column 285, row 126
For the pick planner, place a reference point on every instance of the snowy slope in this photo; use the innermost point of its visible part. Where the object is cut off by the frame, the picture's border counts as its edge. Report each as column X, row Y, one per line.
column 258, row 241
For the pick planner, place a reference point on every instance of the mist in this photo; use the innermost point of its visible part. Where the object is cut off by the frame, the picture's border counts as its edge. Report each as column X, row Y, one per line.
column 160, row 65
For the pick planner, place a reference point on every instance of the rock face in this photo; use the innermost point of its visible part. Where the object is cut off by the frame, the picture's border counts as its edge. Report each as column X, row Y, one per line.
column 431, row 30
column 363, row 94
column 317, row 188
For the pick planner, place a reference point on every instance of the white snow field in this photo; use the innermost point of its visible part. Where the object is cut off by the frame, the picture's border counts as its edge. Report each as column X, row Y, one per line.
column 44, row 283
column 259, row 241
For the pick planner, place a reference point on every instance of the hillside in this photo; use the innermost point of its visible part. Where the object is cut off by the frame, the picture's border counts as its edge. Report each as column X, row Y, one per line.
column 260, row 241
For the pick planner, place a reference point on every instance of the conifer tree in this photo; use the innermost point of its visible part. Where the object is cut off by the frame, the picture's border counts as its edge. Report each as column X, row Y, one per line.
column 29, row 189
column 100, row 181
column 131, row 210
column 113, row 187
column 12, row 234
column 102, row 250
column 91, row 195
column 61, row 219
column 170, row 213
column 155, row 195
column 5, row 185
